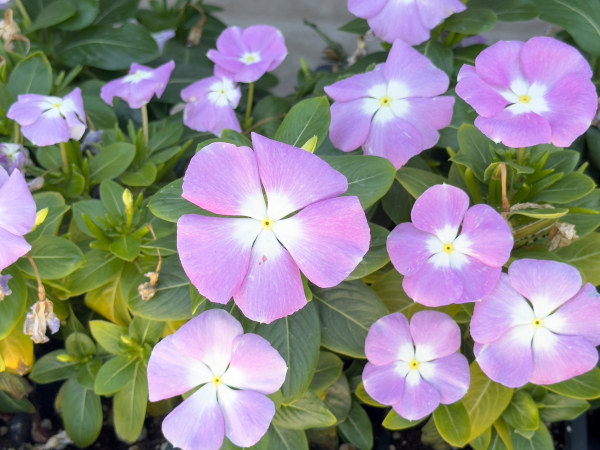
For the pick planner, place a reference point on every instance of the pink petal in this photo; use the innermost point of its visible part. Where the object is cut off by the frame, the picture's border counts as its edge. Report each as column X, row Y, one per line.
column 435, row 335
column 558, row 358
column 225, row 64
column 385, row 383
column 288, row 173
column 25, row 112
column 433, row 286
column 268, row 42
column 114, row 88
column 198, row 90
column 215, row 253
column 255, row 365
column 273, row 287
column 17, row 207
column 546, row 284
column 408, row 248
column 231, row 41
column 499, row 64
column 247, row 415
column 450, row 376
column 203, row 115
column 428, row 115
column 77, row 102
column 415, row 72
column 433, row 12
column 357, row 86
column 13, row 247
column 140, row 93
column 500, row 311
column 161, row 75
column 223, row 179
column 249, row 73
column 49, row 129
column 508, row 360
column 545, row 60
column 365, row 8
column 516, row 130
column 477, row 93
column 327, row 239
column 478, row 279
column 351, row 122
column 389, row 340
column 197, row 422
column 440, row 210
column 399, row 20
column 419, row 398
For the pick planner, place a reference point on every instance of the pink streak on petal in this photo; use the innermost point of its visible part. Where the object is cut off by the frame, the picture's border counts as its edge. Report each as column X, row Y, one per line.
column 365, row 8
column 385, row 383
column 477, row 93
column 247, row 415
column 440, row 210
column 489, row 235
column 546, row 284
column 17, row 207
column 428, row 115
column 389, row 340
column 49, row 129
column 508, row 360
column 408, row 248
column 273, row 287
column 223, row 179
column 558, row 358
column 288, row 176
column 350, row 123
column 520, row 130
column 419, row 398
column 215, row 253
column 433, row 286
column 414, row 71
column 579, row 316
column 327, row 239
column 356, row 86
column 478, row 279
column 450, row 376
column 499, row 64
column 500, row 311
column 546, row 60
column 433, row 12
column 399, row 20
column 13, row 247
column 255, row 365
column 435, row 335
column 197, row 422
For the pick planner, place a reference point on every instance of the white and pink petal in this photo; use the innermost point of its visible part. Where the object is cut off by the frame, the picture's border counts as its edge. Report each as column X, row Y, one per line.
column 389, row 340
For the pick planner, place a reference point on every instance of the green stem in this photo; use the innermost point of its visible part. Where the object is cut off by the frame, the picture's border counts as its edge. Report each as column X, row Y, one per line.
column 145, row 124
column 248, row 118
column 17, row 129
column 65, row 160
column 24, row 14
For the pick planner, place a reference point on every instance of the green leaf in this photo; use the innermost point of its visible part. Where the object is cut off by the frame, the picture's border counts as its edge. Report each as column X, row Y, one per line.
column 56, row 210
column 129, row 406
column 476, row 150
column 111, row 195
column 168, row 204
column 556, row 408
column 584, row 254
column 417, row 181
column 306, row 119
column 82, row 413
column 541, row 440
column 98, row 268
column 347, row 311
column 144, row 176
column 112, row 12
column 53, row 14
column 356, row 26
column 80, row 345
column 108, row 335
column 337, row 398
column 508, row 10
column 286, row 439
column 55, row 257
column 439, row 54
column 453, row 423
column 472, row 21
column 485, row 401
column 394, row 421
column 49, row 369
column 126, row 247
column 145, row 331
column 369, row 177
column 111, row 161
column 85, row 13
column 9, row 404
column 357, row 428
column 364, row 397
column 296, row 338
column 581, row 18
column 109, row 48
column 31, row 75
column 308, row 411
column 584, row 387
column 568, row 189
column 329, row 369
column 114, row 375
column 12, row 308
column 522, row 412
column 376, row 257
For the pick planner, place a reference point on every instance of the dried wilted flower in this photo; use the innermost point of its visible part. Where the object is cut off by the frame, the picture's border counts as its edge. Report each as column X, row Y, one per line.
column 4, row 289
column 10, row 31
column 41, row 317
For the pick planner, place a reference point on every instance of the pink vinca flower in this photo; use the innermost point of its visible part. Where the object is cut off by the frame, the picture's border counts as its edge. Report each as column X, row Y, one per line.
column 234, row 372
column 538, row 325
column 393, row 111
column 450, row 253
column 47, row 120
column 246, row 55
column 17, row 216
column 13, row 156
column 531, row 93
column 409, row 20
column 210, row 105
column 257, row 253
column 415, row 368
column 138, row 87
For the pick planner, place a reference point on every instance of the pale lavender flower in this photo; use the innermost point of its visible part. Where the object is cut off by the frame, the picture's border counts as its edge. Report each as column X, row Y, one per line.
column 256, row 254
column 210, row 105
column 450, row 253
column 393, row 111
column 47, row 120
column 539, row 325
column 13, row 156
column 161, row 38
column 409, row 20
column 17, row 216
column 234, row 372
column 4, row 287
column 415, row 367
column 530, row 93
column 138, row 87
column 246, row 55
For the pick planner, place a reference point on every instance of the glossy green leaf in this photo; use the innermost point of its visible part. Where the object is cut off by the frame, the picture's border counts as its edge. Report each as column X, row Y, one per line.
column 356, row 26
column 129, row 405
column 168, row 204
column 556, row 408
column 52, row 14
column 472, row 21
column 126, row 247
column 56, row 210
column 111, row 161
column 541, row 440
column 49, row 368
column 357, row 428
column 308, row 411
column 584, row 254
column 439, row 54
column 114, row 375
column 55, row 257
column 476, row 150
column 417, row 181
column 80, row 345
column 376, row 257
column 85, row 13
column 82, row 413
column 13, row 307
column 32, row 75
column 584, row 387
column 145, row 331
column 329, row 369
column 508, row 10
column 144, row 176
column 394, row 421
column 522, row 412
column 9, row 404
column 286, row 439
column 338, row 399
column 116, row 12
column 568, row 189
column 108, row 335
column 453, row 423
column 308, row 118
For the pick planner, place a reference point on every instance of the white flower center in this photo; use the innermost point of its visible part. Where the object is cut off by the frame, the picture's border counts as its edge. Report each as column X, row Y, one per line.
column 388, row 101
column 526, row 97
column 137, row 76
column 250, row 58
column 223, row 93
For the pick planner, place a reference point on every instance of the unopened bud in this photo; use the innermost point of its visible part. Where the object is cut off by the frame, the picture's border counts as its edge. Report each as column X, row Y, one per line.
column 311, row 145
column 65, row 357
column 128, row 341
column 40, row 217
column 127, row 199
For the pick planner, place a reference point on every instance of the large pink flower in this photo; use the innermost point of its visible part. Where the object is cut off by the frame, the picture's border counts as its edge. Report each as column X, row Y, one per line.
column 531, row 93
column 450, row 253
column 538, row 325
column 393, row 111
column 234, row 372
column 257, row 253
column 415, row 368
column 409, row 20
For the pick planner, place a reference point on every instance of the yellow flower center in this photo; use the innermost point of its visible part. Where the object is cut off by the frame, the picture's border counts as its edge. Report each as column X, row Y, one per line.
column 537, row 322
column 448, row 248
column 524, row 99
column 57, row 105
column 414, row 364
column 217, row 381
column 385, row 101
column 267, row 223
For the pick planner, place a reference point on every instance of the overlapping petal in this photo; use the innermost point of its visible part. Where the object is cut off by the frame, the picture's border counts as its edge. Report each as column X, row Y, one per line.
column 477, row 278
column 351, row 122
column 13, row 247
column 17, row 206
column 409, row 248
column 530, row 128
column 440, row 211
column 204, row 115
column 419, row 398
column 449, row 375
column 385, row 383
column 389, row 340
column 481, row 96
column 433, row 285
column 425, row 329
column 357, row 86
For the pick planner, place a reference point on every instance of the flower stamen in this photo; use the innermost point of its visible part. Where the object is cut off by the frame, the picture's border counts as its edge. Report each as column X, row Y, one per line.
column 448, row 248
column 414, row 364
